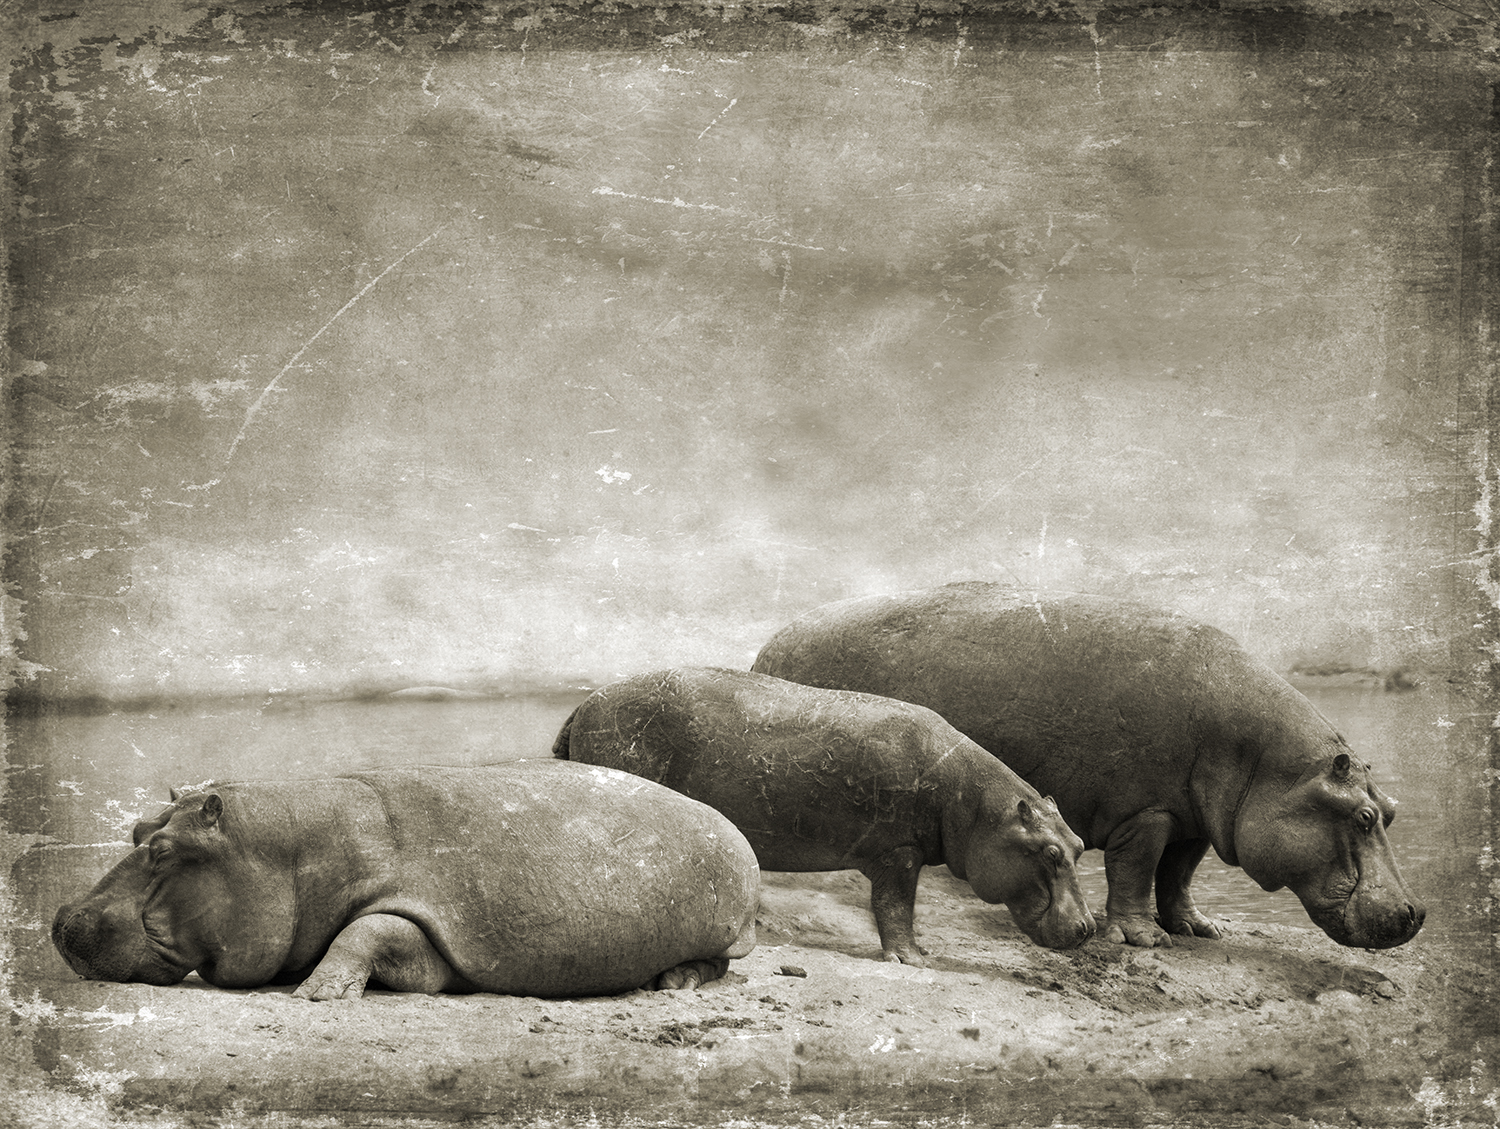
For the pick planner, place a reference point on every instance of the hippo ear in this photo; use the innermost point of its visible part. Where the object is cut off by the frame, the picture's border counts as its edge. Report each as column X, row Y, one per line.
column 1340, row 769
column 1026, row 812
column 174, row 795
column 212, row 808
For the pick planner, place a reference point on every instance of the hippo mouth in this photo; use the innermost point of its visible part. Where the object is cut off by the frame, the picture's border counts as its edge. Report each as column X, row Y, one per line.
column 1053, row 930
column 92, row 947
column 1359, row 921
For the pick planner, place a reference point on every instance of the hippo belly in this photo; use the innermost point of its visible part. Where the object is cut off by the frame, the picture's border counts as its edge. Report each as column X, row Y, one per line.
column 1158, row 737
column 830, row 780
column 529, row 878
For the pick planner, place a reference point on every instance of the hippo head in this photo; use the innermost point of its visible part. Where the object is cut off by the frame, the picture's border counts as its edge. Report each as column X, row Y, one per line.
column 187, row 898
column 1021, row 853
column 1324, row 838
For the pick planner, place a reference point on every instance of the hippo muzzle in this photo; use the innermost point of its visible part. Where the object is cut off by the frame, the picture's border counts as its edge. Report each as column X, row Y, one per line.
column 1060, row 927
column 1373, row 916
column 103, row 943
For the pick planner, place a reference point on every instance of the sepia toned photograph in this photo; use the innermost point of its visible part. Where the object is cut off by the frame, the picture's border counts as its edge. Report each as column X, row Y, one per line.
column 750, row 564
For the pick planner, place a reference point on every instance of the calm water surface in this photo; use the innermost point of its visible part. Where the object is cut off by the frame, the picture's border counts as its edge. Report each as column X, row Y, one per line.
column 78, row 784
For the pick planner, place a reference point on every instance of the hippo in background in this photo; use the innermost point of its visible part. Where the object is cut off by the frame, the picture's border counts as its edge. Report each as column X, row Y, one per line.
column 824, row 780
column 533, row 878
column 1158, row 736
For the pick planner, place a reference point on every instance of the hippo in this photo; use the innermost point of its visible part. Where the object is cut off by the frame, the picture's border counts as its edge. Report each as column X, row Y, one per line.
column 824, row 780
column 1158, row 736
column 534, row 878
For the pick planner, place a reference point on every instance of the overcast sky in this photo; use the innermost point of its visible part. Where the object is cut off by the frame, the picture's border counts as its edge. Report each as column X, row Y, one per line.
column 487, row 352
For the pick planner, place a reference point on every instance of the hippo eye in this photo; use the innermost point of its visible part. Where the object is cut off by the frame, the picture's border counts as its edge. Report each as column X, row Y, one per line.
column 160, row 850
column 1365, row 819
column 1054, row 854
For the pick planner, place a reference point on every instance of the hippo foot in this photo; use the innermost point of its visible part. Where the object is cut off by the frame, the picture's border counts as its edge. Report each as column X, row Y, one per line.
column 905, row 954
column 1190, row 923
column 1138, row 930
column 691, row 975
column 333, row 984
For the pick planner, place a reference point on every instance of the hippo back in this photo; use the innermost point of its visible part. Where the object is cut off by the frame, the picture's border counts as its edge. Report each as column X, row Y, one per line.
column 1105, row 705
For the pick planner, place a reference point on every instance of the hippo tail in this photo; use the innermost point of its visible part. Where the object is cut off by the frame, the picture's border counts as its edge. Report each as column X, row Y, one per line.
column 560, row 745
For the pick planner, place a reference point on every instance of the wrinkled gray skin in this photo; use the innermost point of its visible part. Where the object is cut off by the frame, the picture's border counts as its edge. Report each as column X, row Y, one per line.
column 820, row 780
column 533, row 878
column 1158, row 737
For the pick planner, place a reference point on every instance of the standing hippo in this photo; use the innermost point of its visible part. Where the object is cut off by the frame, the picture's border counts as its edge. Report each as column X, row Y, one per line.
column 822, row 780
column 1158, row 737
column 532, row 878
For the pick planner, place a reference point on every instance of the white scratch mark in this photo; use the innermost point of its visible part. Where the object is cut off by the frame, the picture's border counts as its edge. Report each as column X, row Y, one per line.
column 113, row 844
column 720, row 114
column 784, row 243
column 1093, row 26
column 269, row 388
column 1005, row 486
column 676, row 202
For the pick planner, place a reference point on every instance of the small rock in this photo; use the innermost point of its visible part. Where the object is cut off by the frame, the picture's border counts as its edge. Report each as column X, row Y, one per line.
column 1338, row 997
column 792, row 970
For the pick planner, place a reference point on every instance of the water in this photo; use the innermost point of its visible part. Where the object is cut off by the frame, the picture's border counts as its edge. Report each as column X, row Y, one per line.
column 78, row 784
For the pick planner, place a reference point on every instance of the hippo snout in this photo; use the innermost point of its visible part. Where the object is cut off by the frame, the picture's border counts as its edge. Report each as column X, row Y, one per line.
column 1396, row 927
column 1080, row 932
column 75, row 934
column 1086, row 929
column 1062, row 931
column 86, row 938
column 101, row 943
column 1369, row 920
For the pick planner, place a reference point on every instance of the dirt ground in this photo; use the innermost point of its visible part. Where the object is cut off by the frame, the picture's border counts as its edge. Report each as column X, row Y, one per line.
column 1272, row 1025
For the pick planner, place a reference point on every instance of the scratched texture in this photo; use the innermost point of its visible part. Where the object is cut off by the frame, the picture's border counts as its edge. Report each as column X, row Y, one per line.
column 353, row 348
column 488, row 345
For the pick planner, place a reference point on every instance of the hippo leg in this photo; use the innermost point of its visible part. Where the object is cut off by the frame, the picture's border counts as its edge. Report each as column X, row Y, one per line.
column 691, row 975
column 388, row 948
column 1130, row 858
column 893, row 899
column 1174, row 900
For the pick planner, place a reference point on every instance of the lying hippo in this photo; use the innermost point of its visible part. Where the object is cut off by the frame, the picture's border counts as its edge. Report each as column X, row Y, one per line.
column 532, row 878
column 1158, row 736
column 820, row 780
